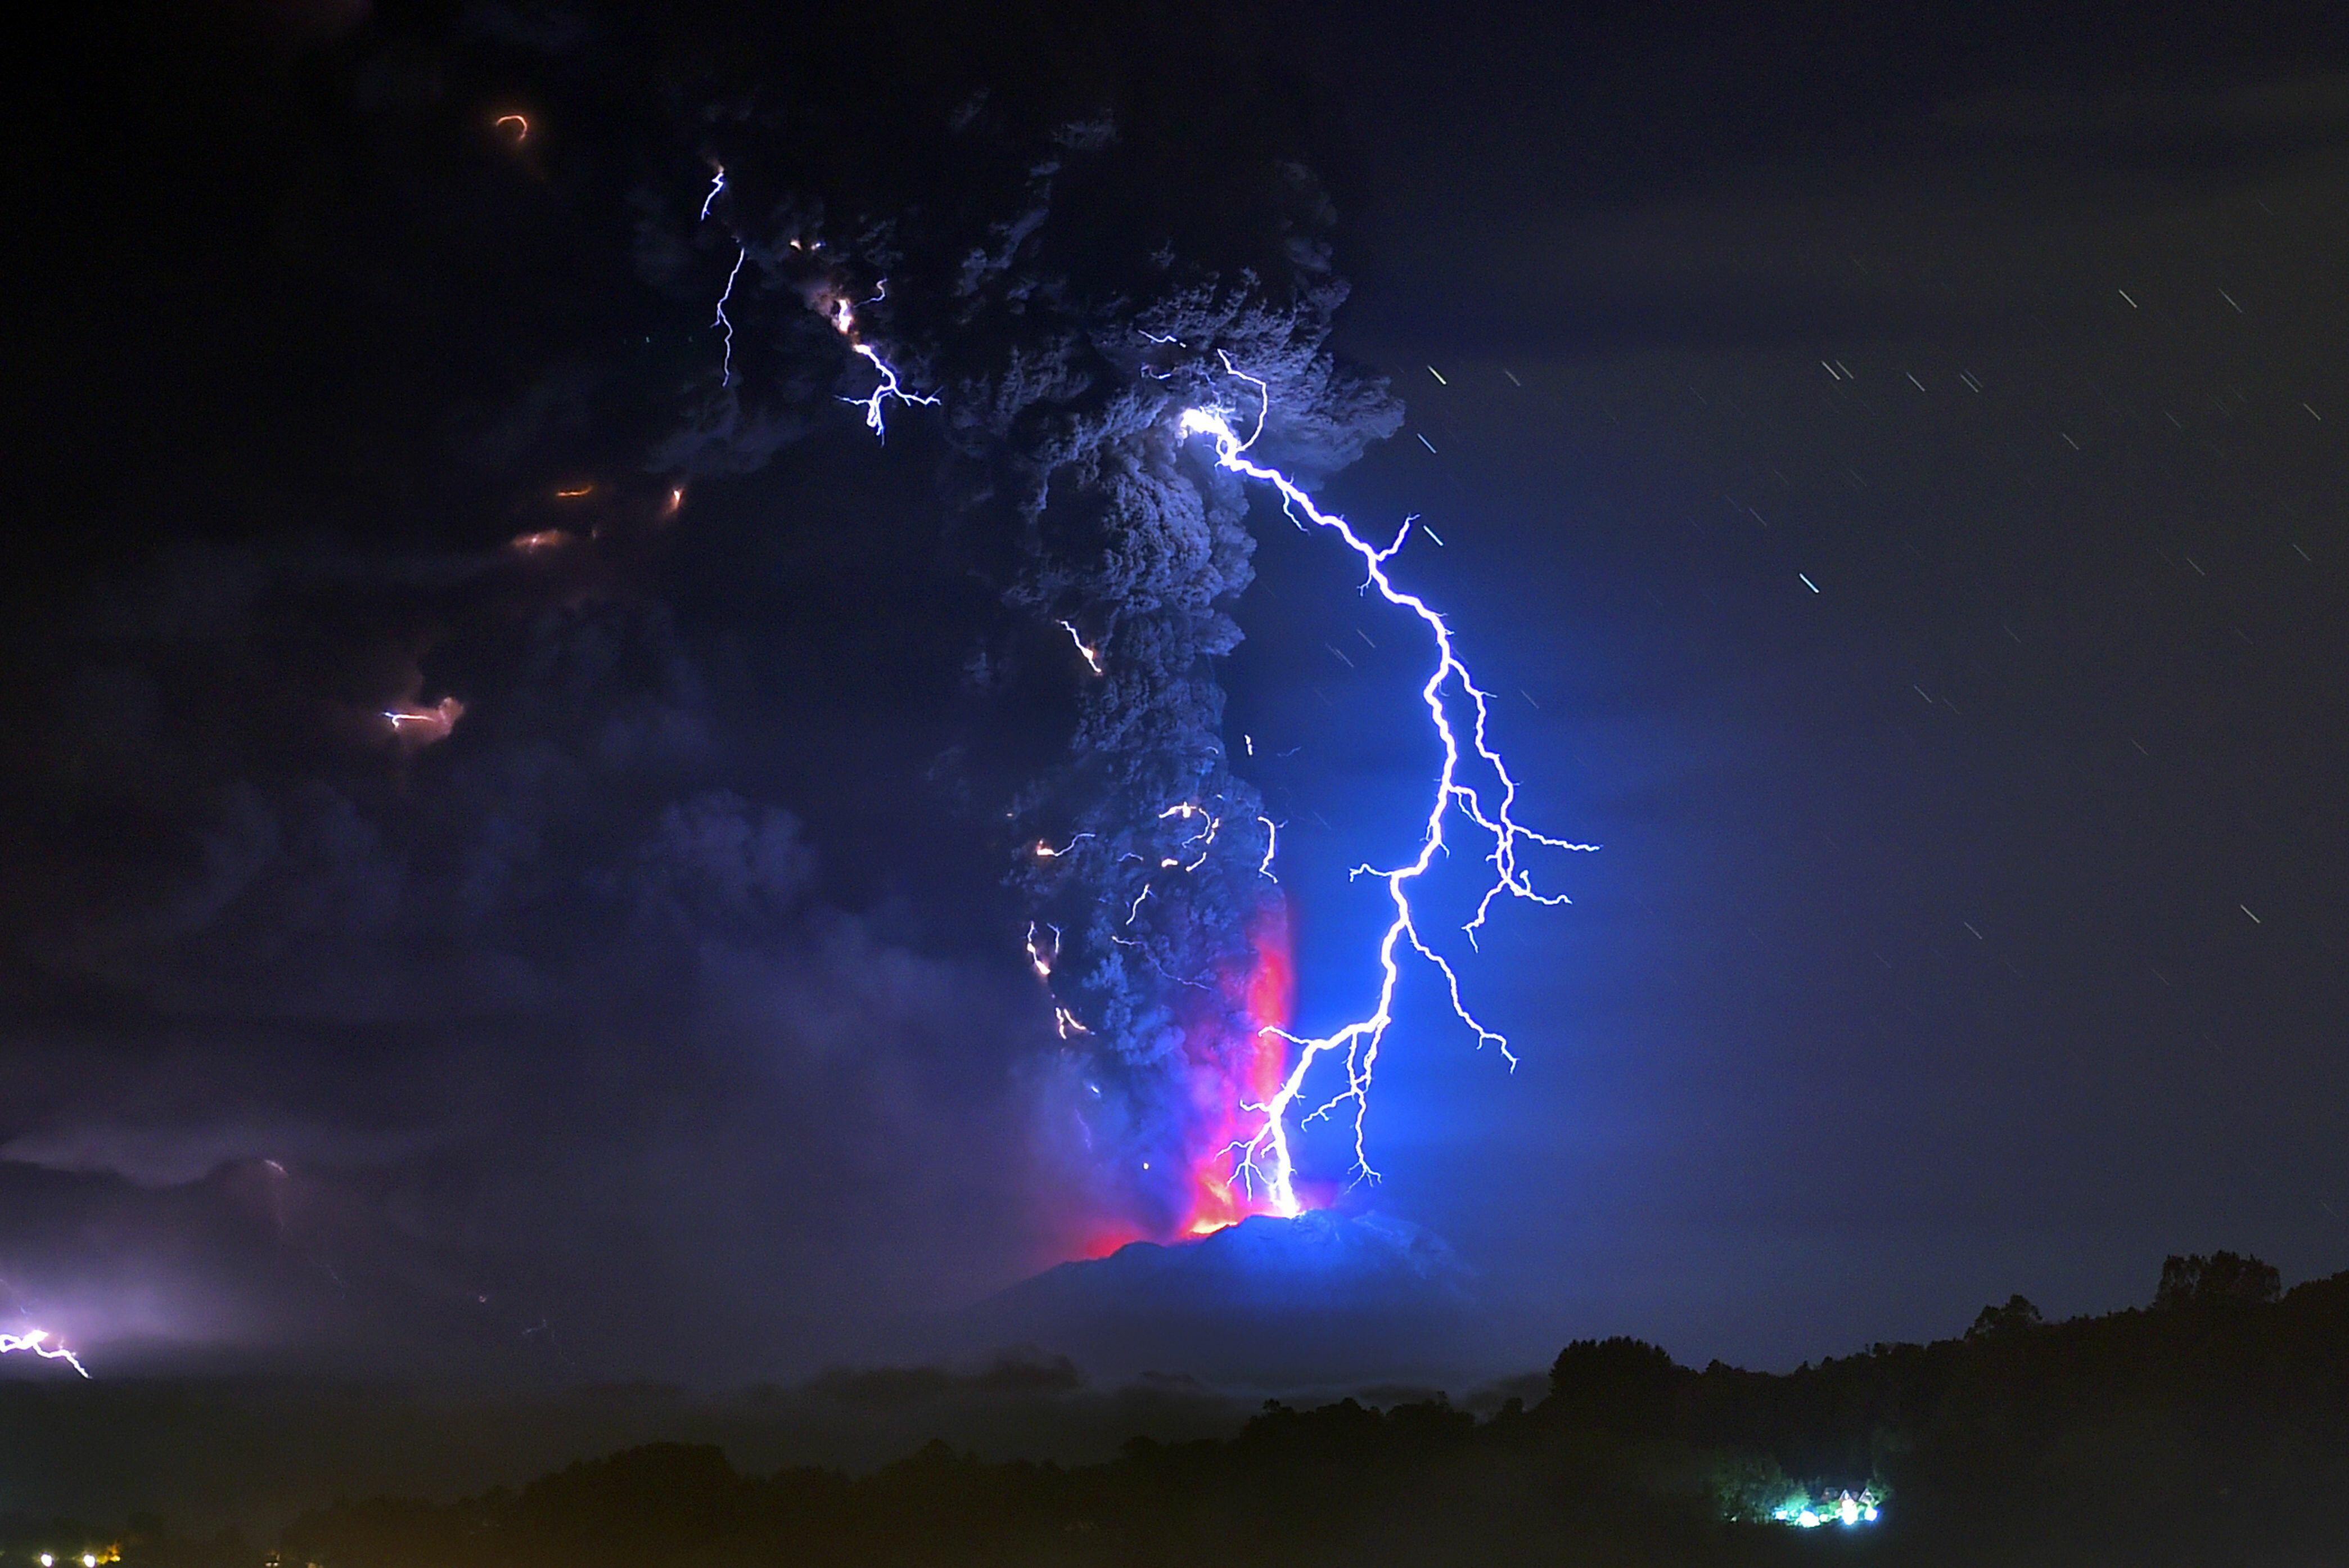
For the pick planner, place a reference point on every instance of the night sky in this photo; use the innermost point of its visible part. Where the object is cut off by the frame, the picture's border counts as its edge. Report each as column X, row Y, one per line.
column 1889, row 475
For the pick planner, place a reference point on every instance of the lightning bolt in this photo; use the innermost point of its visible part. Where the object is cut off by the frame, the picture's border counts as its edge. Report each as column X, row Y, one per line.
column 37, row 1341
column 888, row 389
column 1092, row 656
column 725, row 373
column 1265, row 1157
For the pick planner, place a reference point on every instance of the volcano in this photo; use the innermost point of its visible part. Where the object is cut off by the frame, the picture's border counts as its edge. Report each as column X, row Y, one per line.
column 1269, row 1302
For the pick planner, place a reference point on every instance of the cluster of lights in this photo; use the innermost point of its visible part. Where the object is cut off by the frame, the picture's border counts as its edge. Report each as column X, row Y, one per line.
column 87, row 1559
column 1848, row 1509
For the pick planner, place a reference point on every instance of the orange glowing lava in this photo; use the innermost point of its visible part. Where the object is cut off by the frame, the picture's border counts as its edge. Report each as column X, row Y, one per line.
column 1243, row 1068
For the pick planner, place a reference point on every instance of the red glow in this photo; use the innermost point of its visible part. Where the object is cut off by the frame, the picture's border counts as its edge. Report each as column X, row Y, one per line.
column 1101, row 1244
column 1239, row 1065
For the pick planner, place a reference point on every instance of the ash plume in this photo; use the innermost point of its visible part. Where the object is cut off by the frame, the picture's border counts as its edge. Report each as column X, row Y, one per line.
column 1043, row 288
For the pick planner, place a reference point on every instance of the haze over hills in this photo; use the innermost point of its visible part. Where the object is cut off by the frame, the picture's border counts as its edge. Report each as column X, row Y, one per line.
column 1323, row 1299
column 2207, row 1427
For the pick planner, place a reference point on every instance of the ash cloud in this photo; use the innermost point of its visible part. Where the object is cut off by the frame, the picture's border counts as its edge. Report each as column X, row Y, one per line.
column 540, row 1049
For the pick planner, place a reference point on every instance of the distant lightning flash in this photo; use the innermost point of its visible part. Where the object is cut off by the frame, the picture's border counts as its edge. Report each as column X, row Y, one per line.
column 1265, row 1157
column 423, row 726
column 1046, row 852
column 37, row 1341
column 725, row 374
column 1092, row 655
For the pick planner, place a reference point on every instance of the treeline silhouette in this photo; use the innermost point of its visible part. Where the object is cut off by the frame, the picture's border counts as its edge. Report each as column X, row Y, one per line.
column 2210, row 1428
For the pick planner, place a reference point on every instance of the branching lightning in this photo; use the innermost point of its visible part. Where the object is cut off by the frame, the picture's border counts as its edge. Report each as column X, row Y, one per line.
column 37, row 1341
column 1264, row 1160
column 889, row 387
column 843, row 320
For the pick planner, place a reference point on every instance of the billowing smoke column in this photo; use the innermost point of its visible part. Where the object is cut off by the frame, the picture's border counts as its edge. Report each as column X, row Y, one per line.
column 1148, row 859
column 1090, row 398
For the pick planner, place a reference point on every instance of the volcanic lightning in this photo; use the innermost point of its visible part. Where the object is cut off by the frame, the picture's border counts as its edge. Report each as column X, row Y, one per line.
column 1264, row 1159
column 1251, row 1152
column 843, row 317
column 37, row 1341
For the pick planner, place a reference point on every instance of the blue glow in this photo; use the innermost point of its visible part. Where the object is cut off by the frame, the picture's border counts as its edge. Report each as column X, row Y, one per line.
column 1265, row 1157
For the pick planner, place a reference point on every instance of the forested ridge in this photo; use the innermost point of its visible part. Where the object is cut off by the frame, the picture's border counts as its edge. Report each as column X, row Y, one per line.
column 2210, row 1426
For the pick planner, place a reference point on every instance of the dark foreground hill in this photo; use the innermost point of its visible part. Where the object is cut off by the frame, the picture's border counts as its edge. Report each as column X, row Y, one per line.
column 2210, row 1429
column 1323, row 1299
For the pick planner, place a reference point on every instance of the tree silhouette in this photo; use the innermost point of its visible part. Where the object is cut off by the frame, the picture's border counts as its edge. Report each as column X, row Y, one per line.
column 2219, row 1280
column 1620, row 1385
column 2015, row 1316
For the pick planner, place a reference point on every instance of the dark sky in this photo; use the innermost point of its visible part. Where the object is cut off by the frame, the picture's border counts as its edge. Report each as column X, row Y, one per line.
column 1889, row 475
